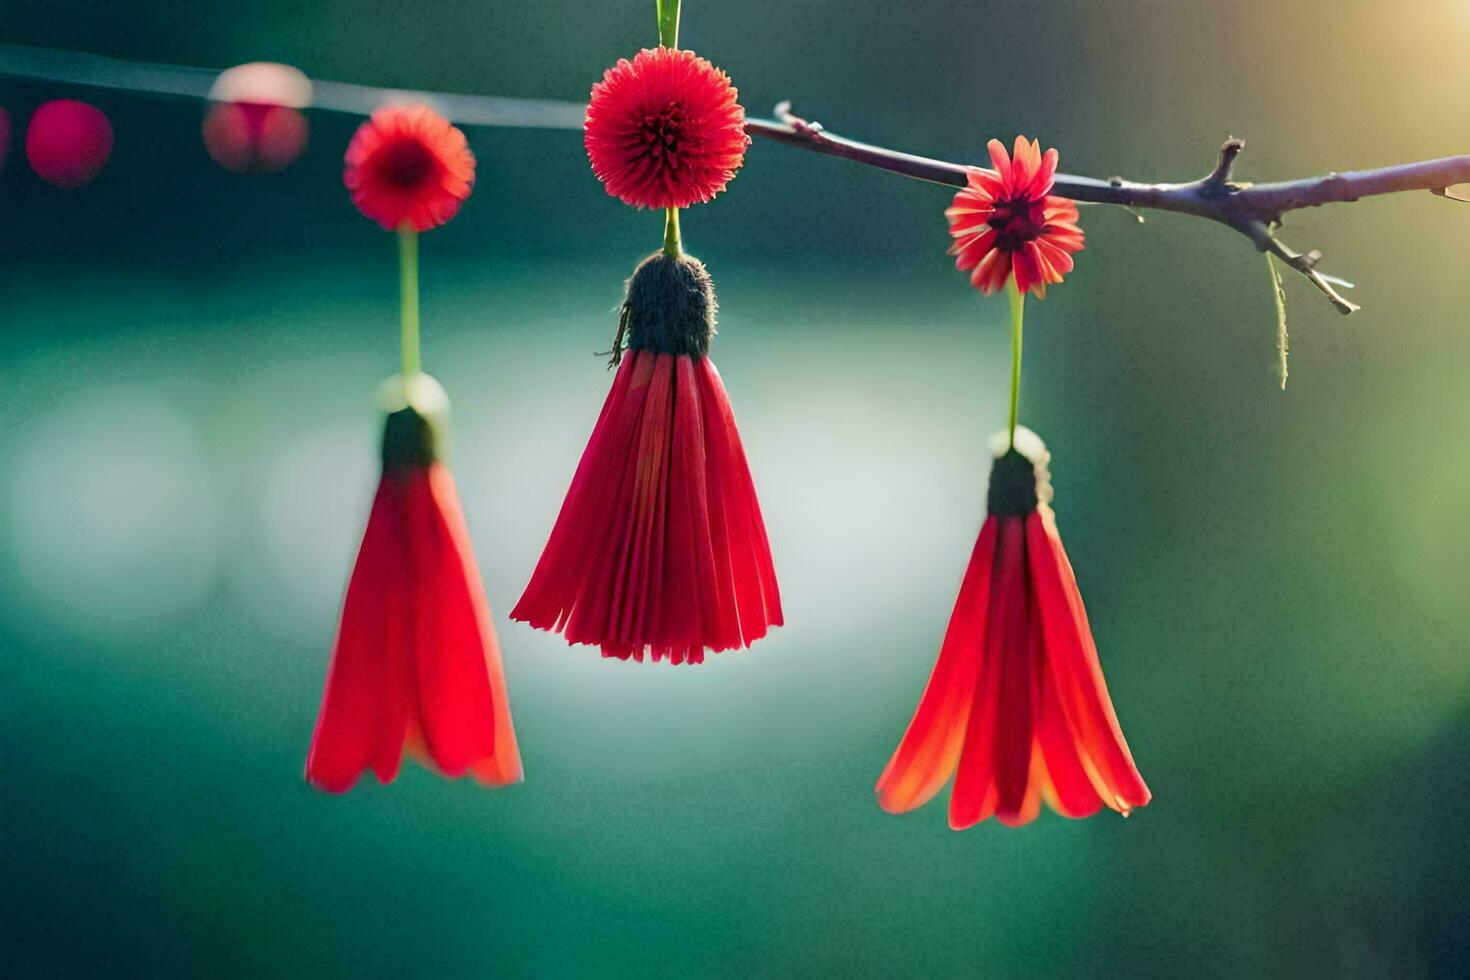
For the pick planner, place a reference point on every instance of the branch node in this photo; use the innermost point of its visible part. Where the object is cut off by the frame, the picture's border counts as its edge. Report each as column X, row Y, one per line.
column 803, row 127
column 1225, row 165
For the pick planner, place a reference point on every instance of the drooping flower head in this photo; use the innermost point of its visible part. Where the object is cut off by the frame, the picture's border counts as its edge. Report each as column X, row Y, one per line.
column 1007, row 222
column 408, row 166
column 660, row 550
column 665, row 130
column 68, row 142
column 1016, row 709
column 416, row 667
column 254, row 124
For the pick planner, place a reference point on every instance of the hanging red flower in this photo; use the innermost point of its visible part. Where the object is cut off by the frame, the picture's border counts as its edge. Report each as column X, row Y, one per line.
column 408, row 166
column 68, row 142
column 660, row 549
column 416, row 665
column 253, row 125
column 665, row 129
column 1016, row 709
column 253, row 137
column 1006, row 221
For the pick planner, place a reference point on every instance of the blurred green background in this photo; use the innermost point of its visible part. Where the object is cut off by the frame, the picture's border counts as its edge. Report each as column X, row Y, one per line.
column 1279, row 582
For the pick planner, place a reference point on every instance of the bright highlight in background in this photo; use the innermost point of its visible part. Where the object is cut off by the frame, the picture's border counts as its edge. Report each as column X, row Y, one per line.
column 110, row 515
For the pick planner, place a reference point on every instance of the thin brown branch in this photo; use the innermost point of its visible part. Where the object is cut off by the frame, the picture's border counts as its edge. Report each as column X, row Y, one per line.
column 1254, row 210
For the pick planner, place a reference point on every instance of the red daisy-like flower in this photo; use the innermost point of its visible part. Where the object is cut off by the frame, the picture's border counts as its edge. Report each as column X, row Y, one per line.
column 1016, row 710
column 408, row 166
column 665, row 130
column 416, row 667
column 1006, row 221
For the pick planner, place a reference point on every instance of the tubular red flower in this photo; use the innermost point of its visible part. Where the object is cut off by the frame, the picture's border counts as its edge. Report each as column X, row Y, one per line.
column 416, row 665
column 1006, row 222
column 408, row 166
column 665, row 129
column 68, row 142
column 660, row 549
column 1016, row 709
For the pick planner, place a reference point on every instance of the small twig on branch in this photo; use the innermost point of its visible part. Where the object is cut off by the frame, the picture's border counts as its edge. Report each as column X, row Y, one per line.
column 1254, row 210
column 1225, row 166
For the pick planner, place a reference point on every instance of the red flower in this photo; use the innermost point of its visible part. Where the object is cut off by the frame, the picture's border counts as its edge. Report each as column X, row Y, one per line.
column 253, row 125
column 665, row 130
column 254, row 138
column 660, row 549
column 416, row 666
column 1006, row 221
column 1016, row 708
column 68, row 142
column 408, row 166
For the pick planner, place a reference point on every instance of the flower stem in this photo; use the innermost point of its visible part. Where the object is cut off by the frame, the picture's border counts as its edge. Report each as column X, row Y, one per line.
column 673, row 245
column 668, row 23
column 1018, row 307
column 408, row 293
column 668, row 36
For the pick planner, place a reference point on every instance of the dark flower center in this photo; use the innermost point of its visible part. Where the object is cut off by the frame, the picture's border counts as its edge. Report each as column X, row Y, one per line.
column 658, row 136
column 1017, row 222
column 405, row 163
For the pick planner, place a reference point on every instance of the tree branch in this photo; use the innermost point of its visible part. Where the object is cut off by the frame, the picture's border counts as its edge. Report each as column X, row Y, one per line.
column 1254, row 210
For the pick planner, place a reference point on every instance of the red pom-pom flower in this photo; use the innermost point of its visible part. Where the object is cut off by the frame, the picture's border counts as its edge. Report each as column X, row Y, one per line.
column 68, row 142
column 660, row 549
column 665, row 130
column 416, row 666
column 407, row 166
column 1016, row 709
column 1006, row 221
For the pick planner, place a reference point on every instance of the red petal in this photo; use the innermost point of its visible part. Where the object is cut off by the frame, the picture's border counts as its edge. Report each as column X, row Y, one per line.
column 1028, row 274
column 990, row 274
column 968, row 254
column 1008, row 655
column 1002, row 163
column 976, row 792
column 1072, row 659
column 1045, row 174
column 582, row 526
column 463, row 711
column 367, row 702
column 1068, row 787
column 660, row 549
column 735, row 509
column 929, row 750
column 1027, row 161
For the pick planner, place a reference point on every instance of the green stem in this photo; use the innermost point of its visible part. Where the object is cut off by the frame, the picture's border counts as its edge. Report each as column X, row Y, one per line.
column 1018, row 307
column 668, row 23
column 668, row 36
column 673, row 245
column 408, row 294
